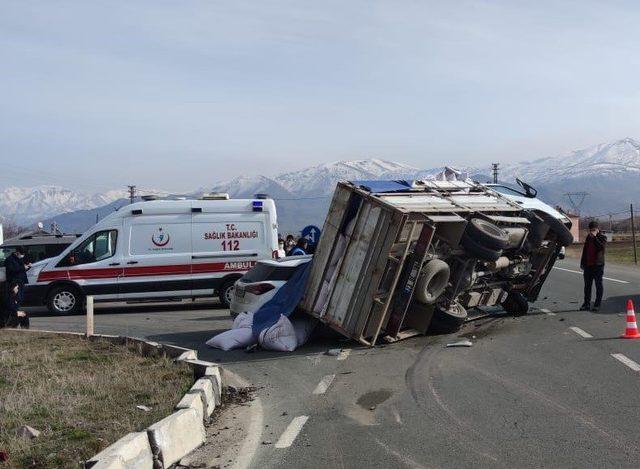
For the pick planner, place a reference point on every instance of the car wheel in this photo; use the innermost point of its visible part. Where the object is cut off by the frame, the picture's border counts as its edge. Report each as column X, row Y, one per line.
column 448, row 319
column 475, row 249
column 226, row 293
column 487, row 234
column 65, row 300
column 563, row 235
column 516, row 304
column 433, row 280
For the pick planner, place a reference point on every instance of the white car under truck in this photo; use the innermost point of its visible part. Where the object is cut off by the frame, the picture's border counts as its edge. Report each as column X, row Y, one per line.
column 159, row 250
column 398, row 257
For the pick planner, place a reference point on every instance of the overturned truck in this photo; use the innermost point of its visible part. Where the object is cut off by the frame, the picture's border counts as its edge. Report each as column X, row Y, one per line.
column 398, row 257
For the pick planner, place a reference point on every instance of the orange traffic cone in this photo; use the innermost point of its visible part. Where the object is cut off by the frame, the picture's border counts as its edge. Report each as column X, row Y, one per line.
column 631, row 332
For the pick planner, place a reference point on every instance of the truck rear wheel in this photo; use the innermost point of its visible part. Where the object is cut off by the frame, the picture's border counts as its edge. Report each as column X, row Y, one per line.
column 447, row 320
column 65, row 299
column 433, row 280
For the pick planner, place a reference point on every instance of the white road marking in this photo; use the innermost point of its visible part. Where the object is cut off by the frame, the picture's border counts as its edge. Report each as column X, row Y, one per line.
column 324, row 384
column 344, row 354
column 579, row 272
column 581, row 332
column 292, row 431
column 627, row 361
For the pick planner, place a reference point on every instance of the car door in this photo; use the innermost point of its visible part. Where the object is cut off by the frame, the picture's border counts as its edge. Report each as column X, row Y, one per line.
column 157, row 257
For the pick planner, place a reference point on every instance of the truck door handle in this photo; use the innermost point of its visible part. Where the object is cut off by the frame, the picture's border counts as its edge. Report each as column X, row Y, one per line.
column 115, row 263
column 132, row 262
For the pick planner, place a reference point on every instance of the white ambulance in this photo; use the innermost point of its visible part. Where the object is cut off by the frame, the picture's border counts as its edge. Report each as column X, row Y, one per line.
column 161, row 249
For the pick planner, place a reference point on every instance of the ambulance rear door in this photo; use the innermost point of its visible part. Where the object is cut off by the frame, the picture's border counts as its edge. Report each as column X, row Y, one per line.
column 225, row 245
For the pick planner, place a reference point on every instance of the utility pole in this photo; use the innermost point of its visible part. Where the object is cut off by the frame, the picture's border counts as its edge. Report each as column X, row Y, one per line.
column 633, row 236
column 132, row 193
column 611, row 222
column 495, row 166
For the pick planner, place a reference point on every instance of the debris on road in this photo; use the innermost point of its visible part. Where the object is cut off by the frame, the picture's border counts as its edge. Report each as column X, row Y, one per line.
column 334, row 352
column 143, row 407
column 462, row 343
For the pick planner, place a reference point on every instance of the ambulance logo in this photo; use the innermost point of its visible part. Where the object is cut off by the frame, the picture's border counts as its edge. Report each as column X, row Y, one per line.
column 160, row 238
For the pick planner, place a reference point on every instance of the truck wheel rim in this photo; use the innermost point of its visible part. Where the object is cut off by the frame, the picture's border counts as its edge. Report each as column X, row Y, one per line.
column 64, row 301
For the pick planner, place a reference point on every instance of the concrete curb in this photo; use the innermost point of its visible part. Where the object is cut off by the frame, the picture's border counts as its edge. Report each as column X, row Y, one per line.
column 165, row 442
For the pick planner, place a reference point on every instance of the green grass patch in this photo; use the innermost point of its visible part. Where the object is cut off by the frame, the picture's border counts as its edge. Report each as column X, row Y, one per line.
column 81, row 395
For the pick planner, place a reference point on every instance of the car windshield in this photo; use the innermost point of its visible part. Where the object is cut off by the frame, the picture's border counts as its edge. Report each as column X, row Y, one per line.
column 265, row 272
column 507, row 191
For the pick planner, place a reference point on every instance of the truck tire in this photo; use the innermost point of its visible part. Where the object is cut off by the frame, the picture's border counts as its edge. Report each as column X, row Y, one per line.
column 433, row 280
column 65, row 299
column 563, row 235
column 475, row 249
column 487, row 234
column 226, row 293
column 516, row 304
column 447, row 320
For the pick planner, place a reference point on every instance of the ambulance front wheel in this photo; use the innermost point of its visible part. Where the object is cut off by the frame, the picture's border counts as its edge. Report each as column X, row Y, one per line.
column 65, row 299
column 226, row 293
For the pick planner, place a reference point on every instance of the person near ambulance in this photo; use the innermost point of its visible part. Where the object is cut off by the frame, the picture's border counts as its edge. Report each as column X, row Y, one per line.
column 592, row 264
column 16, row 267
column 10, row 313
column 300, row 249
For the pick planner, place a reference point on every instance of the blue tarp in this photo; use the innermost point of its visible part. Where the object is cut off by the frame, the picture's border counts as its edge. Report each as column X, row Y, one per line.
column 283, row 302
column 384, row 186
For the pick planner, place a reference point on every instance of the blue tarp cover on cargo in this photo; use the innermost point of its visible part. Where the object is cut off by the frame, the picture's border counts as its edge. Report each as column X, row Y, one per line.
column 283, row 302
column 384, row 186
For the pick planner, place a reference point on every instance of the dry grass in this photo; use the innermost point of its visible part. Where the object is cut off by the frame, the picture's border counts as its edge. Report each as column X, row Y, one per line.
column 618, row 251
column 80, row 394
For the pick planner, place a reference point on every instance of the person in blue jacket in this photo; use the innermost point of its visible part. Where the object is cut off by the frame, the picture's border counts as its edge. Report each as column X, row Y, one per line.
column 300, row 249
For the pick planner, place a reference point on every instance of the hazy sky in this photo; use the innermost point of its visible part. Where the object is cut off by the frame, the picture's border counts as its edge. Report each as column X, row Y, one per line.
column 178, row 94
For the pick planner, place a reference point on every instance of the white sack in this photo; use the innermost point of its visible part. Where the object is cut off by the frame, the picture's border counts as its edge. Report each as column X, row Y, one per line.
column 303, row 328
column 280, row 337
column 233, row 338
column 243, row 320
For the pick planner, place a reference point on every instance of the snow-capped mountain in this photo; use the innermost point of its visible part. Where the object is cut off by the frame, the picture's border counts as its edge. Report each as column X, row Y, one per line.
column 609, row 172
column 26, row 205
column 621, row 157
column 321, row 179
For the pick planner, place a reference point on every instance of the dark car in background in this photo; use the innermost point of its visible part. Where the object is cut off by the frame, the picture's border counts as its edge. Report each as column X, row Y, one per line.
column 38, row 246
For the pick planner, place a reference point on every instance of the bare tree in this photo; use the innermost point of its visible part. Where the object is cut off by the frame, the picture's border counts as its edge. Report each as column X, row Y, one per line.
column 10, row 228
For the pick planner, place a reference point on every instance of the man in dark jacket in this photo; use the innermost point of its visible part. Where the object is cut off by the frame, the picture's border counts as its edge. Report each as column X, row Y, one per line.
column 592, row 263
column 16, row 270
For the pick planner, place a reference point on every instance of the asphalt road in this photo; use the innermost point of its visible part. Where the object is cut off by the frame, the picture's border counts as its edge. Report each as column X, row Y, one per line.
column 542, row 390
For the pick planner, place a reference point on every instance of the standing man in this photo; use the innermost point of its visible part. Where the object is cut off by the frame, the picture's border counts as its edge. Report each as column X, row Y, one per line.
column 16, row 271
column 300, row 249
column 592, row 263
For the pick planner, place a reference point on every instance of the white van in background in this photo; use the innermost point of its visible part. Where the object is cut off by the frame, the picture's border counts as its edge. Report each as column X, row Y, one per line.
column 161, row 249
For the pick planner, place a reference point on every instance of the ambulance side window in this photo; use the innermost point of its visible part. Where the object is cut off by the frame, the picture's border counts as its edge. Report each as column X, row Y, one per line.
column 97, row 247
